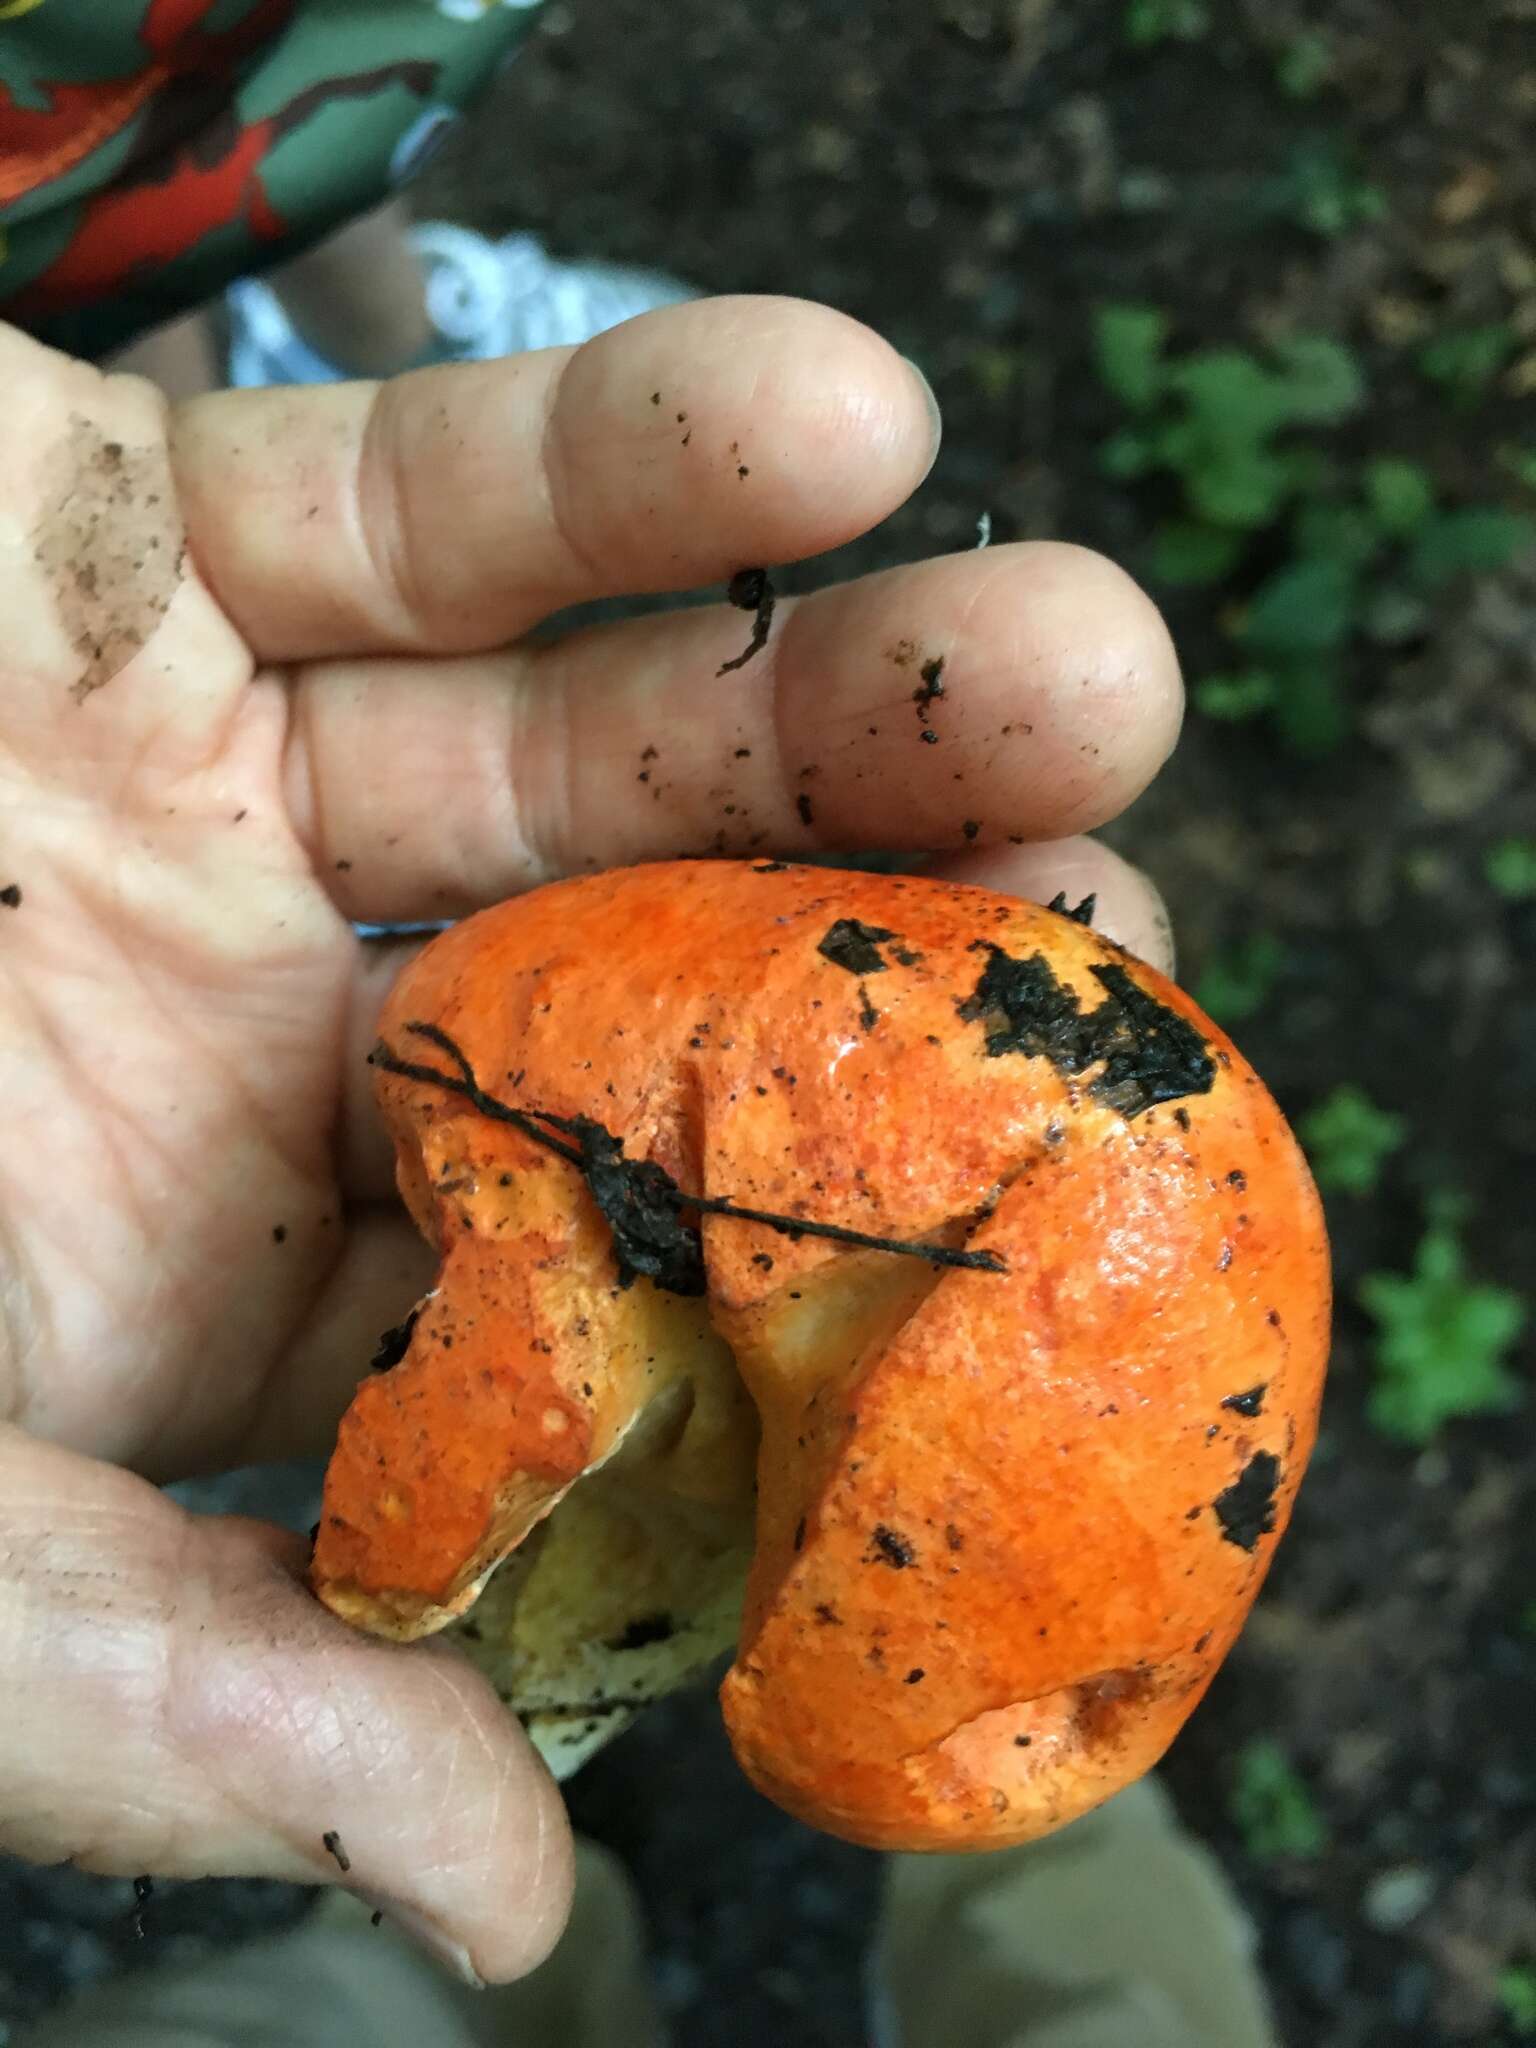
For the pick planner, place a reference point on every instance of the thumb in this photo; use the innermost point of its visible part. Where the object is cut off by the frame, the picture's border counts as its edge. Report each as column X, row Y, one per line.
column 173, row 1700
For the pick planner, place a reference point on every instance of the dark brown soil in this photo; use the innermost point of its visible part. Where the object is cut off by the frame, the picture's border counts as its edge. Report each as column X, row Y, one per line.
column 973, row 177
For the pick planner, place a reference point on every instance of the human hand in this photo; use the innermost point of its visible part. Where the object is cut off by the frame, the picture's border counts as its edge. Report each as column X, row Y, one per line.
column 211, row 764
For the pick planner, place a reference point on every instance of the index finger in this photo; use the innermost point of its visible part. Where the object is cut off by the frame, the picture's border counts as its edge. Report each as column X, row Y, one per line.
column 451, row 509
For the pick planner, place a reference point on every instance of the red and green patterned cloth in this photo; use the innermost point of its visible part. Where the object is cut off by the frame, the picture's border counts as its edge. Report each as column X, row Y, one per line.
column 151, row 151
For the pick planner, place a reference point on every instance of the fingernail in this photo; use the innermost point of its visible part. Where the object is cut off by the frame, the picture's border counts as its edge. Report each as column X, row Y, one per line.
column 936, row 418
column 418, row 1928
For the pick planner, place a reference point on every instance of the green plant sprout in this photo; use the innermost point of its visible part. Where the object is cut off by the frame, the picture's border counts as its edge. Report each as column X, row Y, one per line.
column 1517, row 1995
column 1321, row 190
column 1464, row 361
column 1239, row 979
column 1348, row 1139
column 1510, row 868
column 1304, row 65
column 1147, row 22
column 1366, row 550
column 1441, row 1337
column 1232, row 698
column 1271, row 1806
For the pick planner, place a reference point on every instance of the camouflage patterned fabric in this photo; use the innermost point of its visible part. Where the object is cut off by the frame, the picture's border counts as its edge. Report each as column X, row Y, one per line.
column 153, row 150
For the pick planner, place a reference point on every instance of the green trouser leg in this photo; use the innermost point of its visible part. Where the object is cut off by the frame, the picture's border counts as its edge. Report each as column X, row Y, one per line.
column 1120, row 1932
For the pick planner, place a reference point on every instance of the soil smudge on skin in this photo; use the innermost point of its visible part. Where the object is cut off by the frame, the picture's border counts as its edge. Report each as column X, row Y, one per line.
column 112, row 547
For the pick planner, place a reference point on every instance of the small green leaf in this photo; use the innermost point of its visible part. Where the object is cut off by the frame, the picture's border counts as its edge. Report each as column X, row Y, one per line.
column 1239, row 485
column 1239, row 979
column 1230, row 699
column 1305, row 65
column 1470, row 540
column 1185, row 553
column 1160, row 21
column 1347, row 1138
column 1306, row 608
column 1342, row 533
column 1311, row 709
column 1231, row 394
column 1321, row 378
column 1510, row 868
column 1517, row 1995
column 1272, row 1807
column 1128, row 455
column 1440, row 1342
column 1128, row 345
column 1401, row 495
column 1521, row 463
column 1465, row 360
column 1321, row 190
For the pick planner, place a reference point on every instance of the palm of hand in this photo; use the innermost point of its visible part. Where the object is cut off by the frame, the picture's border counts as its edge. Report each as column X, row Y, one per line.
column 176, row 997
column 211, row 763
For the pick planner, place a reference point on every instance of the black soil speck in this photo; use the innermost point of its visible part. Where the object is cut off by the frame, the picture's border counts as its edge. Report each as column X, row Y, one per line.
column 279, row 1233
column 1148, row 1053
column 855, row 946
column 1246, row 1509
column 330, row 1841
column 803, row 806
column 750, row 590
column 644, row 1630
column 1251, row 1403
column 394, row 1344
column 143, row 1892
column 1083, row 914
column 886, row 1547
column 10, row 895
column 932, row 685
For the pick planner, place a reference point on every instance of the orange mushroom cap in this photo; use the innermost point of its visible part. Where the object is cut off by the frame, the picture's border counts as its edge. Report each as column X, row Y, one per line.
column 1031, row 1422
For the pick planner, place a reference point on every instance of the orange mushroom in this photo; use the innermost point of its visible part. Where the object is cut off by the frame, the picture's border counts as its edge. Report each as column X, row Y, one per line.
column 961, row 1226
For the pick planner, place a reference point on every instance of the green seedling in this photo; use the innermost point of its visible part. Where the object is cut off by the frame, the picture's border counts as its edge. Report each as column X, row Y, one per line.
column 1239, row 980
column 1148, row 22
column 1348, row 1140
column 1272, row 1808
column 1224, row 423
column 1441, row 1337
column 1366, row 554
column 1305, row 65
column 1517, row 1995
column 1231, row 699
column 1510, row 868
column 1465, row 360
column 1323, row 190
